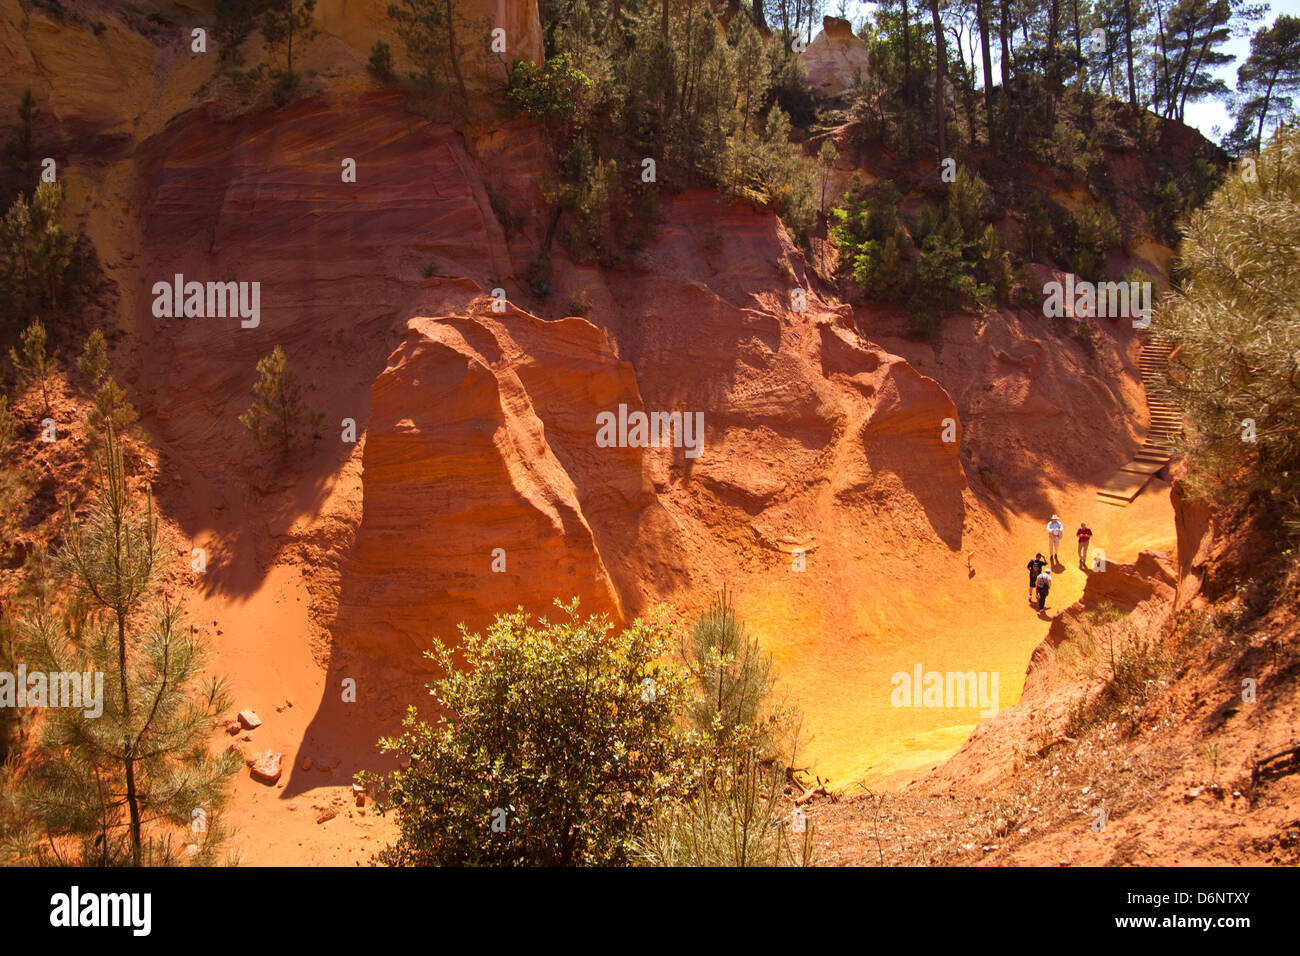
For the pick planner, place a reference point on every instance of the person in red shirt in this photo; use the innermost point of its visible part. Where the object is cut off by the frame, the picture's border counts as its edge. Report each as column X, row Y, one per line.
column 1084, row 534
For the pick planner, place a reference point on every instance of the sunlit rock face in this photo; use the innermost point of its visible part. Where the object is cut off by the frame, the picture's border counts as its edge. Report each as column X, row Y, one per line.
column 833, row 56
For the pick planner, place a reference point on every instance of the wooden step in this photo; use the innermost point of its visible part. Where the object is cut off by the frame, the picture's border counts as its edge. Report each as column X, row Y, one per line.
column 1123, row 485
column 1143, row 467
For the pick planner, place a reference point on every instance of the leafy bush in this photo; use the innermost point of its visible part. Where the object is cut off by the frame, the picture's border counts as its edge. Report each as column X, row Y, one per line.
column 550, row 93
column 556, row 744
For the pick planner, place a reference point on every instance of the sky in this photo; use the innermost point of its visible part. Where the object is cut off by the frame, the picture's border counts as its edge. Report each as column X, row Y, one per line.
column 1205, row 115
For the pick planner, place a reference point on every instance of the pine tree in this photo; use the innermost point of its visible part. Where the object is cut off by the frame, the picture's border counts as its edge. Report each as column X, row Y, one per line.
column 19, row 153
column 35, row 253
column 1268, row 77
column 428, row 29
column 93, row 363
column 114, row 787
column 285, row 19
column 732, row 674
column 110, row 405
column 110, row 408
column 1235, row 327
column 34, row 366
column 278, row 415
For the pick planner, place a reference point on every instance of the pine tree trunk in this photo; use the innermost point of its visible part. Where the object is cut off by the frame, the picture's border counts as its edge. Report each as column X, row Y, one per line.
column 1053, row 24
column 452, row 53
column 128, row 751
column 1263, row 113
column 907, row 54
column 1200, row 58
column 1007, row 70
column 939, row 59
column 1128, row 41
column 987, row 58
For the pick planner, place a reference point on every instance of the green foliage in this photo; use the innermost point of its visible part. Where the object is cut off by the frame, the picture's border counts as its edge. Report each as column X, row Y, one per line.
column 577, row 304
column 875, row 248
column 731, row 817
column 380, row 64
column 550, row 93
column 732, row 675
column 8, row 426
column 1235, row 325
column 235, row 18
column 1036, row 230
column 34, row 366
column 705, row 106
column 110, row 408
column 93, row 363
column 429, row 29
column 1095, row 232
column 562, row 734
column 35, row 254
column 278, row 415
column 1178, row 193
column 539, row 274
column 18, row 159
column 949, row 261
column 282, row 22
column 117, row 787
column 1266, row 81
column 729, row 813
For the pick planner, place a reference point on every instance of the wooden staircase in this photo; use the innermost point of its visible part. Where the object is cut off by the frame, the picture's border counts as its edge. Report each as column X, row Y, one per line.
column 1166, row 424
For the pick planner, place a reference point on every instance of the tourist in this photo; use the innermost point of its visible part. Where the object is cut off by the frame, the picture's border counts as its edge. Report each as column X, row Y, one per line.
column 1084, row 534
column 1035, row 566
column 1044, row 585
column 1054, row 531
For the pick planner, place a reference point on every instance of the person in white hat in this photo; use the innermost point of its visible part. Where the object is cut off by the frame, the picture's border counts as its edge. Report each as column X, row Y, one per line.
column 1054, row 531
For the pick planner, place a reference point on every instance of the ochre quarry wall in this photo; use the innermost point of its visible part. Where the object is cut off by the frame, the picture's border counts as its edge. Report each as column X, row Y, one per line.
column 101, row 74
column 832, row 490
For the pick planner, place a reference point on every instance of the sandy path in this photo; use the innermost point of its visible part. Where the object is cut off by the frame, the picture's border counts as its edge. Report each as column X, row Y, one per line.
column 979, row 622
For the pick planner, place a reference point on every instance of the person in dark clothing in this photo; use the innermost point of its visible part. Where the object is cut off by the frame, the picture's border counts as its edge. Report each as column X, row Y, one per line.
column 1044, row 585
column 1035, row 568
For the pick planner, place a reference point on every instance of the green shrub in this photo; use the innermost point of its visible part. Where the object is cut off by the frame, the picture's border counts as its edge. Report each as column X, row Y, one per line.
column 539, row 274
column 550, row 93
column 380, row 64
column 35, row 253
column 557, row 743
column 1235, row 324
column 1096, row 231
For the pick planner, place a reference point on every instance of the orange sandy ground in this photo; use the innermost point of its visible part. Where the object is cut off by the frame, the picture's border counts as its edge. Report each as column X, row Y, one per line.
column 958, row 622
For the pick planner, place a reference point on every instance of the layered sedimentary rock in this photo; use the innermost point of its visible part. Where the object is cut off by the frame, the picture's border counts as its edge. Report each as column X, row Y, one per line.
column 485, row 434
column 480, row 472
